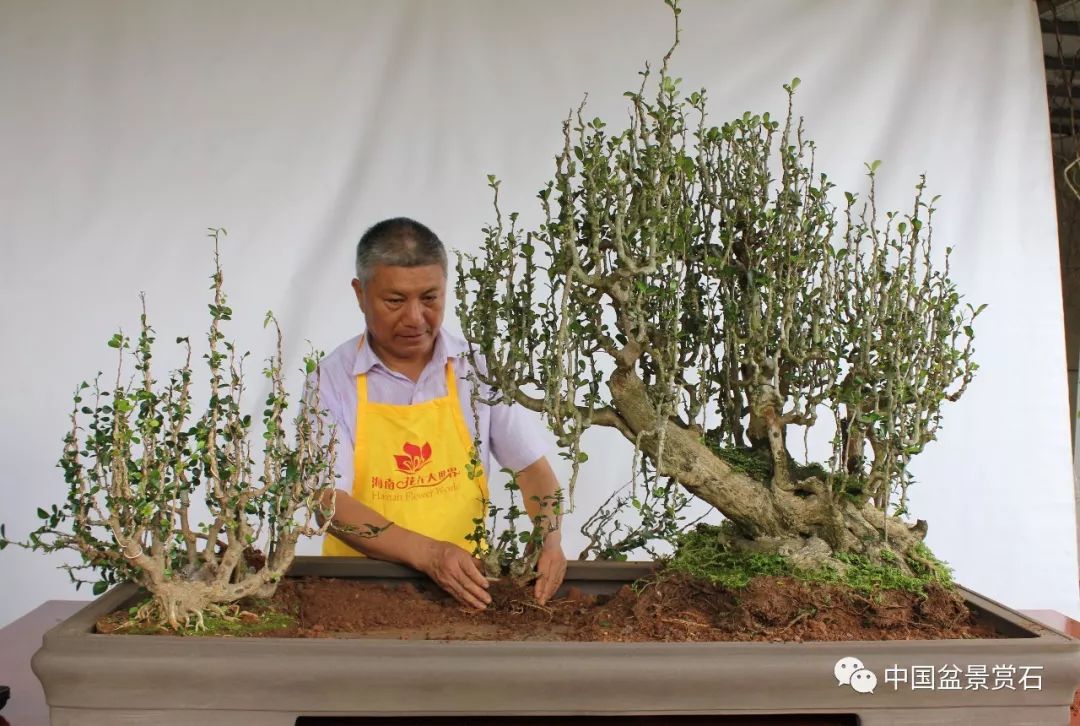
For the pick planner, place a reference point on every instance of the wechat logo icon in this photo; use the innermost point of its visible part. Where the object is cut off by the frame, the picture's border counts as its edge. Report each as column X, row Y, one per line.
column 851, row 672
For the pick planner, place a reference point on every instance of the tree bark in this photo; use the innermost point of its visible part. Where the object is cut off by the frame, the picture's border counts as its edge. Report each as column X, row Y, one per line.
column 687, row 460
column 804, row 521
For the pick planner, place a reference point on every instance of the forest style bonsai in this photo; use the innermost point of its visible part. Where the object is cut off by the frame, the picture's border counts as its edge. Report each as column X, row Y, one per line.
column 140, row 471
column 695, row 288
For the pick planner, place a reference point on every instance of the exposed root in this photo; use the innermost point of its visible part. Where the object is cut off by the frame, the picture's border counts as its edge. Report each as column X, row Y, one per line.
column 680, row 621
column 798, row 619
column 173, row 616
column 533, row 605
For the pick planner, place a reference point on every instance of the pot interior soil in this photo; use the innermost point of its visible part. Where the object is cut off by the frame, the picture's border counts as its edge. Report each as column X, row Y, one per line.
column 672, row 608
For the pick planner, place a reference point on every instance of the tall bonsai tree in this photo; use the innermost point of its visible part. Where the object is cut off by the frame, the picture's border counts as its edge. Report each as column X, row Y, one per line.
column 696, row 288
column 136, row 463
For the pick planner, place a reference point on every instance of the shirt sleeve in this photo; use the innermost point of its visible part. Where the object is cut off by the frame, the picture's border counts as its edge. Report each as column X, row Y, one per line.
column 518, row 437
column 343, row 460
column 330, row 406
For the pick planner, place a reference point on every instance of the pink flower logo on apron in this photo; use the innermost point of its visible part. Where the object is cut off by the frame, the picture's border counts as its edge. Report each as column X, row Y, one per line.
column 414, row 459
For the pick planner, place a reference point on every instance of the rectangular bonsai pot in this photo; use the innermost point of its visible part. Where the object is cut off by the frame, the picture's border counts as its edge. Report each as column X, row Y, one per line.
column 101, row 680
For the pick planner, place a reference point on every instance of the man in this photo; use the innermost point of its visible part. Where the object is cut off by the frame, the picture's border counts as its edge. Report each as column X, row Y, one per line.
column 401, row 403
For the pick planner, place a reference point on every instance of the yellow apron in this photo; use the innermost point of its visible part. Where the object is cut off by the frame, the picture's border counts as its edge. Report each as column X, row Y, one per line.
column 410, row 464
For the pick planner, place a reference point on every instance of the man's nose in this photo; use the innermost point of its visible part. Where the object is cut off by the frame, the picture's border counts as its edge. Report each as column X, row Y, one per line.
column 414, row 313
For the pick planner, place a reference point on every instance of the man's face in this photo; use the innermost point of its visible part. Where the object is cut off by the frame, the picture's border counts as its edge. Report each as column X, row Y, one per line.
column 403, row 308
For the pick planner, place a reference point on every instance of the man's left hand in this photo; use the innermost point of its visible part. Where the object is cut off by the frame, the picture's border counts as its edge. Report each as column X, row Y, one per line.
column 551, row 568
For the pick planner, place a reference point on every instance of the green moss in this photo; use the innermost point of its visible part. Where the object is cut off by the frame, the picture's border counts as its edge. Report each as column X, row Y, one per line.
column 929, row 567
column 806, row 471
column 851, row 487
column 867, row 576
column 758, row 464
column 701, row 554
column 268, row 620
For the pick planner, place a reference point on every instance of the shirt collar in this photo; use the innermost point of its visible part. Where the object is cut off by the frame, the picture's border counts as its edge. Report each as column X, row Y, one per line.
column 447, row 345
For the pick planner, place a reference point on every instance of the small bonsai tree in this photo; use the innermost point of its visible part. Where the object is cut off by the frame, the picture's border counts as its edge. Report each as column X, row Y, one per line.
column 502, row 548
column 136, row 464
column 696, row 288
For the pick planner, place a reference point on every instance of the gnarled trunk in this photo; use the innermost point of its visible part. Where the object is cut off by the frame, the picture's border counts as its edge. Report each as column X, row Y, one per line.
column 804, row 520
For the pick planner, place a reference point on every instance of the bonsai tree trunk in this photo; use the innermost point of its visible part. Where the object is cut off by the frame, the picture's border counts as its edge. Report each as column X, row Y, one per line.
column 805, row 520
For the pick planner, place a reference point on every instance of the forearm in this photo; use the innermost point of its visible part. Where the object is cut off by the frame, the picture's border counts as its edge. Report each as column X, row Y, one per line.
column 541, row 492
column 352, row 519
column 451, row 567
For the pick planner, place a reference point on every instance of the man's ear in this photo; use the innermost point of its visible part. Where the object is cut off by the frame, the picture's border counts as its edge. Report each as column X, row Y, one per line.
column 358, row 288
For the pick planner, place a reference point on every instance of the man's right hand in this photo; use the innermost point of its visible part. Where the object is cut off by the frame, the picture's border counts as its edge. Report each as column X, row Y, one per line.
column 451, row 567
column 455, row 571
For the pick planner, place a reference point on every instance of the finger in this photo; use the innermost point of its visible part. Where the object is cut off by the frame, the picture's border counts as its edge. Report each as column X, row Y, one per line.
column 468, row 578
column 454, row 588
column 472, row 572
column 475, row 591
column 548, row 582
column 464, row 597
column 540, row 591
column 552, row 582
column 543, row 573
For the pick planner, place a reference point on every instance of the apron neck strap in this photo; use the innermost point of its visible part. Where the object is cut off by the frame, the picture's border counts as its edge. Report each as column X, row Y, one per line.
column 451, row 380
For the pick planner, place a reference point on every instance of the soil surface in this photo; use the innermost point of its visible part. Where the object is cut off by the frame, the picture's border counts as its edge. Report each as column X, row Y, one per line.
column 669, row 609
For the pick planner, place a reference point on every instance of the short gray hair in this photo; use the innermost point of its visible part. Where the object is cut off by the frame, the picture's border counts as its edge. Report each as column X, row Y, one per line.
column 398, row 242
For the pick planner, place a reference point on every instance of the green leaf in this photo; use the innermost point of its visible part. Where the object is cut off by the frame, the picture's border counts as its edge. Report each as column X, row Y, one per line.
column 42, row 514
column 100, row 586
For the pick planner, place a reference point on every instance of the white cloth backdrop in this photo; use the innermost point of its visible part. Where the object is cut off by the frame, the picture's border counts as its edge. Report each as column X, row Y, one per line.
column 130, row 127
